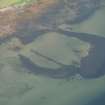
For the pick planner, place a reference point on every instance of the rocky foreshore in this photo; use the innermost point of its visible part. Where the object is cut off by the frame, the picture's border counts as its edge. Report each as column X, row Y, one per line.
column 46, row 13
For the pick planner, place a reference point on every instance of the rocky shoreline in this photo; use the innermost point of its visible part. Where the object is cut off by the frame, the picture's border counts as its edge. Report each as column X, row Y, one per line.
column 49, row 14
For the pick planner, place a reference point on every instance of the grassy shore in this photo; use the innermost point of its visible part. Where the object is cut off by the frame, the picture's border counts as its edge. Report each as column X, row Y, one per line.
column 6, row 3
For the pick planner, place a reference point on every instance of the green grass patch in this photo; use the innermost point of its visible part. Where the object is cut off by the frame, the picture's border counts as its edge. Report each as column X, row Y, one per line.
column 6, row 3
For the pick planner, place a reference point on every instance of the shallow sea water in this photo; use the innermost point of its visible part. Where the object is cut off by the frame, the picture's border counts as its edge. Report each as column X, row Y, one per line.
column 25, row 87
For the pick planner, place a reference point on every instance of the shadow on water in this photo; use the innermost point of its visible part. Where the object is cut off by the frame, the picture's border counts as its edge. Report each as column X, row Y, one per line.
column 91, row 66
column 63, row 72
